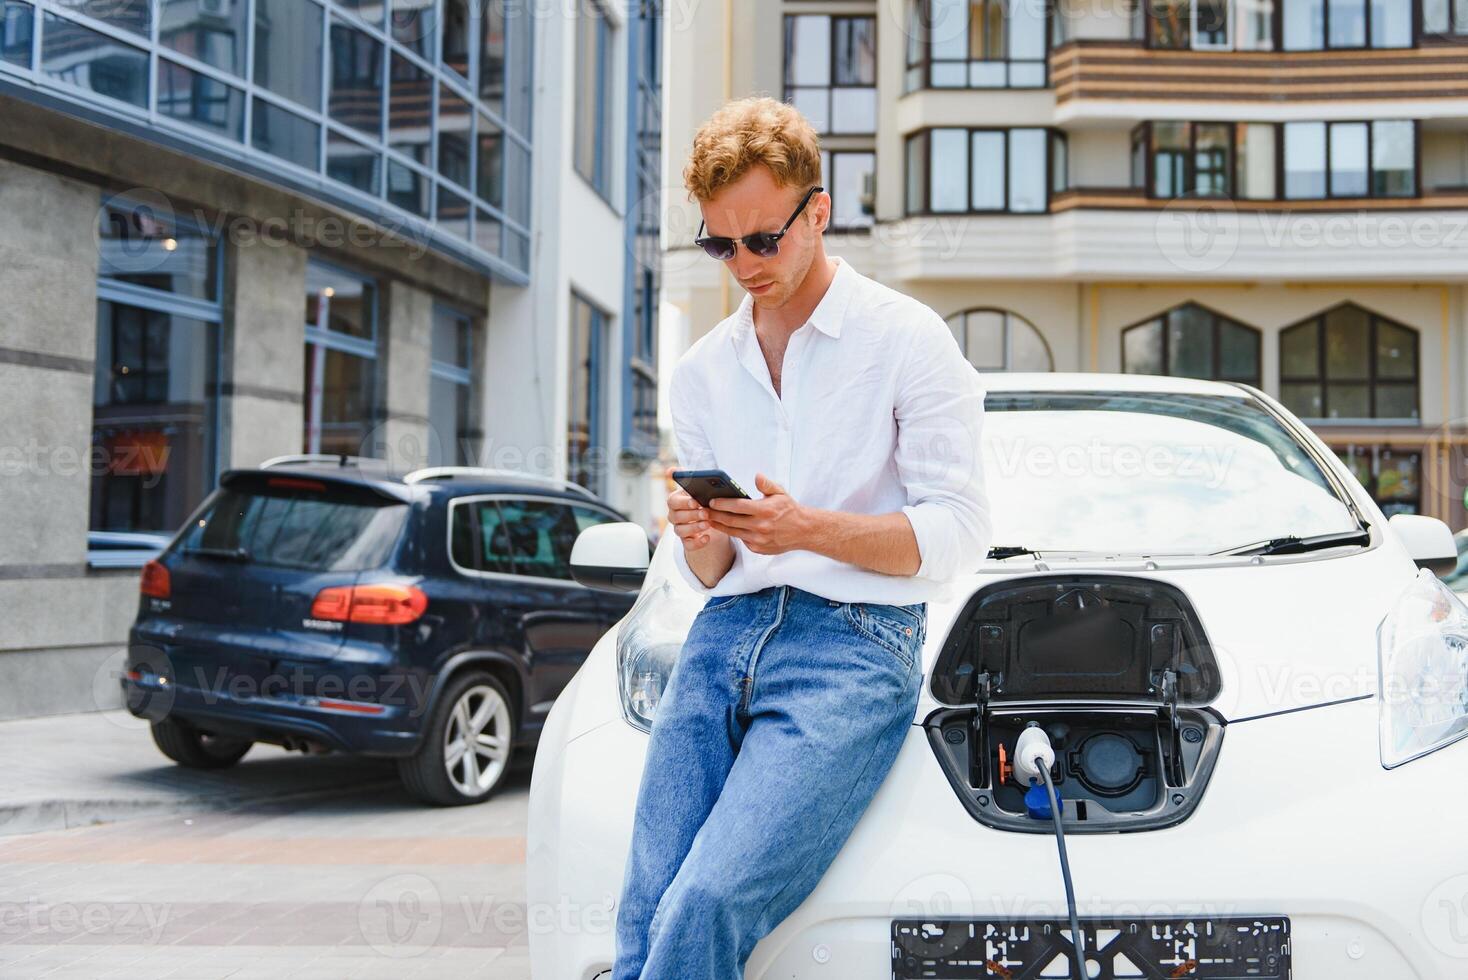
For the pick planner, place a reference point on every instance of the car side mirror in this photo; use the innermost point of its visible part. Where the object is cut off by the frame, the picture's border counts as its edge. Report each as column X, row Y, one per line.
column 1428, row 541
column 611, row 557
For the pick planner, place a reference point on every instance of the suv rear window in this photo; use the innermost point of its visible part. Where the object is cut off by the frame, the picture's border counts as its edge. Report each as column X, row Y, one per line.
column 293, row 530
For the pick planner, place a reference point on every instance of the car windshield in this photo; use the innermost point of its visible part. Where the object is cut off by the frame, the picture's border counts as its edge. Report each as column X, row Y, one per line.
column 1144, row 473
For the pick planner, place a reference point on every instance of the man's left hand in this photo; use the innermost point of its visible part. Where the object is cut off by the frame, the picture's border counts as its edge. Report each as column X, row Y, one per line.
column 772, row 525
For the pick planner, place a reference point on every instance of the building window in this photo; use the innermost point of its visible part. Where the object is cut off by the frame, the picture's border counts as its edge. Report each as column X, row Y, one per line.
column 1349, row 363
column 288, row 50
column 1315, row 25
column 997, row 340
column 1350, row 159
column 1181, row 159
column 594, row 97
column 976, row 44
column 452, row 401
column 342, row 407
column 981, row 170
column 199, row 100
column 850, row 179
column 586, row 430
column 355, row 97
column 639, row 416
column 831, row 71
column 211, row 32
column 455, row 40
column 155, row 399
column 17, row 23
column 1192, row 341
column 1393, row 477
column 1445, row 17
column 1205, row 25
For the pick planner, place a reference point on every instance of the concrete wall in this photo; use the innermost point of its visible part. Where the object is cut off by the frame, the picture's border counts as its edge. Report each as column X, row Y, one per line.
column 62, row 623
column 405, row 433
column 264, row 341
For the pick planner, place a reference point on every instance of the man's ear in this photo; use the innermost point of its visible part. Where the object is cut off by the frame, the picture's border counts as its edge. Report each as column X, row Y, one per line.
column 821, row 210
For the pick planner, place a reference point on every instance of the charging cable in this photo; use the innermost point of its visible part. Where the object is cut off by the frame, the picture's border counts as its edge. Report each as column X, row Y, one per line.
column 1033, row 757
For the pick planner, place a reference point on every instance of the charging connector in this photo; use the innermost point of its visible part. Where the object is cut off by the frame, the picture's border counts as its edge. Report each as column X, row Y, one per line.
column 1033, row 757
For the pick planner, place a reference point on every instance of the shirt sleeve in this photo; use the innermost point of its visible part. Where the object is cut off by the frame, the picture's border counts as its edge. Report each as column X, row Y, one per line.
column 939, row 407
column 694, row 453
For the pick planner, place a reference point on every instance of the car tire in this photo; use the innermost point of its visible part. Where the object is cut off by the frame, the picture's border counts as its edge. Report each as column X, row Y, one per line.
column 195, row 749
column 446, row 770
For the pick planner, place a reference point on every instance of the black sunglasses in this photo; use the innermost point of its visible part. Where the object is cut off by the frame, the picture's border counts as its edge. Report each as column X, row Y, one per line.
column 762, row 243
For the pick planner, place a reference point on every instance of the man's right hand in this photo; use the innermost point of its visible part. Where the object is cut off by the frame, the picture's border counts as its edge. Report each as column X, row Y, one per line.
column 691, row 521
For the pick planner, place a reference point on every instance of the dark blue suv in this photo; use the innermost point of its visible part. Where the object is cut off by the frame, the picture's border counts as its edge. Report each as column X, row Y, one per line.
column 326, row 606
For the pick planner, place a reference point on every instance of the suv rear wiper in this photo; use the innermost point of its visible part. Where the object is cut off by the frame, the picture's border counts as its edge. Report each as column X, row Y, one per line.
column 1292, row 544
column 227, row 554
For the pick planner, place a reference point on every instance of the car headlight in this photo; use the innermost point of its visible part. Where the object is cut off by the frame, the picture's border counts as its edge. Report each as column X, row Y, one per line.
column 1423, row 655
column 650, row 639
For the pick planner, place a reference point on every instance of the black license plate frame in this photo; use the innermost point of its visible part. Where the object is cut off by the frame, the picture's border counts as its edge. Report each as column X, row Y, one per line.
column 1230, row 947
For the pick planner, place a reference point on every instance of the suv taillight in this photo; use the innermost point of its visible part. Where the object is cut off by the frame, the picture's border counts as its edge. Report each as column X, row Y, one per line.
column 380, row 605
column 155, row 582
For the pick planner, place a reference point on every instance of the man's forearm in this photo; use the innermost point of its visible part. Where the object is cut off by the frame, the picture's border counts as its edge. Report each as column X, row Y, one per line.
column 880, row 542
column 711, row 562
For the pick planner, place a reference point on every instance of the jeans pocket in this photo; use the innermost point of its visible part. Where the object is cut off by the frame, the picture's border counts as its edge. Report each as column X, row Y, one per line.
column 900, row 629
column 722, row 601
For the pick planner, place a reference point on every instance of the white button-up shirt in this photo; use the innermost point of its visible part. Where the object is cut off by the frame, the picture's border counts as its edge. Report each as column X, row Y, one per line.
column 878, row 411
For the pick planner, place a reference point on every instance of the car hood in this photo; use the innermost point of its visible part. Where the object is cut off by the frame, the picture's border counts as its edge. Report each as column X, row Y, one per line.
column 1288, row 632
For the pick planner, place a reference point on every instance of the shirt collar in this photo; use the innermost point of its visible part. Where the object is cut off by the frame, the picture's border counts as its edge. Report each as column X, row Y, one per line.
column 829, row 312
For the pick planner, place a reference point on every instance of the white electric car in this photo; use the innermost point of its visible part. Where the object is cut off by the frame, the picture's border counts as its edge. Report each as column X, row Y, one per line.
column 1251, row 681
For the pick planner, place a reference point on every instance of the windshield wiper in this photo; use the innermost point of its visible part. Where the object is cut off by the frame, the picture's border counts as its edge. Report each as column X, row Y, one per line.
column 1292, row 544
column 227, row 554
column 1010, row 550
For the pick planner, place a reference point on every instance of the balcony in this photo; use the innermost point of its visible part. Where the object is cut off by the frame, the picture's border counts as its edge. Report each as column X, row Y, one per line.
column 1086, row 74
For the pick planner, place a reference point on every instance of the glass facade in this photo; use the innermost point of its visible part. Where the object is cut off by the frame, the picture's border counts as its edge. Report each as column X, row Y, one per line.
column 452, row 400
column 357, row 91
column 341, row 385
column 155, row 396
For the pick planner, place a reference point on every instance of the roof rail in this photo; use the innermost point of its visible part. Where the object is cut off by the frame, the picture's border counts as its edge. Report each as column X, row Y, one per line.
column 340, row 459
column 450, row 472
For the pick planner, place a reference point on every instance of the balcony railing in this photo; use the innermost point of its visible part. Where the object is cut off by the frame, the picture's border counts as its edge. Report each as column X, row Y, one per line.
column 1126, row 70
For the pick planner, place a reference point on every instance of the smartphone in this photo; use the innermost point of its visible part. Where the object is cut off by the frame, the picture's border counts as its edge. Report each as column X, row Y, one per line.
column 707, row 485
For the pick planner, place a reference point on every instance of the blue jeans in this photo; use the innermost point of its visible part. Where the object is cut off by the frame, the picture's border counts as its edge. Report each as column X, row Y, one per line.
column 780, row 720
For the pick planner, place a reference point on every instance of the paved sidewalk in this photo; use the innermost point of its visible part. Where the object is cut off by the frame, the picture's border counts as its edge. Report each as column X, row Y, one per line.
column 367, row 885
column 75, row 770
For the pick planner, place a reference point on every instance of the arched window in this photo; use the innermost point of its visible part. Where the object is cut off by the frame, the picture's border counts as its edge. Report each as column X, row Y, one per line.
column 1349, row 363
column 997, row 340
column 1192, row 341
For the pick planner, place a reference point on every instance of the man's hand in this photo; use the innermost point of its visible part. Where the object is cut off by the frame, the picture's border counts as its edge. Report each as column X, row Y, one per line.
column 772, row 525
column 690, row 520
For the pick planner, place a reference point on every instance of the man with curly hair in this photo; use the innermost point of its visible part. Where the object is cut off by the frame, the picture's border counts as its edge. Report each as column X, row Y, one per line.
column 850, row 410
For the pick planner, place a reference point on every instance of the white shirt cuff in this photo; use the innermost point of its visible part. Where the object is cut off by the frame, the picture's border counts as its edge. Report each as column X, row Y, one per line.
column 933, row 529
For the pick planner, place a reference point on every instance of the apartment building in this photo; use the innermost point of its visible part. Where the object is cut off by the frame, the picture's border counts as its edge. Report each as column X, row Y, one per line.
column 1268, row 191
column 235, row 229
